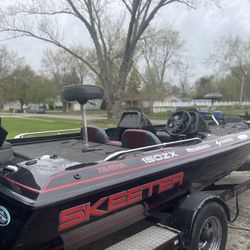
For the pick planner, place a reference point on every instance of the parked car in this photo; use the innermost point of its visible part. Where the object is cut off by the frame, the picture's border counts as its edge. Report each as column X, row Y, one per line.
column 35, row 109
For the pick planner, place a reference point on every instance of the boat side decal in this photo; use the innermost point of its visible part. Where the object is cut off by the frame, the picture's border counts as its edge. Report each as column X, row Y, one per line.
column 223, row 141
column 159, row 157
column 197, row 148
column 242, row 137
column 76, row 215
column 111, row 168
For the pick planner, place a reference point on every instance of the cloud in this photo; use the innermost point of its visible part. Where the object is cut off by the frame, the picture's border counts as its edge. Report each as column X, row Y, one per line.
column 200, row 28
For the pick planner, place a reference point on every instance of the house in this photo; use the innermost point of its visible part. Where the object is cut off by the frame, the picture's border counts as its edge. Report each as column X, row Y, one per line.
column 11, row 106
column 167, row 100
column 75, row 106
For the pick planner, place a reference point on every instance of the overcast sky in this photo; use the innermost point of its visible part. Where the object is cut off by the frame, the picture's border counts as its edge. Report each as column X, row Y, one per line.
column 199, row 28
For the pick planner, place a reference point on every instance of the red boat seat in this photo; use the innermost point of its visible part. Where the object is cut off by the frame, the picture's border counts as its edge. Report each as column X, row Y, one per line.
column 96, row 134
column 135, row 138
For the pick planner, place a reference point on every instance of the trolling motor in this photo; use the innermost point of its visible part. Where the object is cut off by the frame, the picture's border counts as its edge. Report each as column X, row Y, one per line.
column 82, row 94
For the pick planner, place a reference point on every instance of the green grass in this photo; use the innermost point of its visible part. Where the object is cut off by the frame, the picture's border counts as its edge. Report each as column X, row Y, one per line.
column 159, row 116
column 234, row 111
column 89, row 112
column 20, row 125
column 103, row 123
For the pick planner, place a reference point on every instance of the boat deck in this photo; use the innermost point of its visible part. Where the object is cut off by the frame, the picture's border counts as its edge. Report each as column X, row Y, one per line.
column 228, row 128
column 70, row 149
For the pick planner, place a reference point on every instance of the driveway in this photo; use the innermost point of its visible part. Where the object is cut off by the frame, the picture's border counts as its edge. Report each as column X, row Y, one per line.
column 239, row 231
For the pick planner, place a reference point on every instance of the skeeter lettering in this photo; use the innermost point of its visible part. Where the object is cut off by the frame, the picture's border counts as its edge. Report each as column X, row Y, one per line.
column 84, row 212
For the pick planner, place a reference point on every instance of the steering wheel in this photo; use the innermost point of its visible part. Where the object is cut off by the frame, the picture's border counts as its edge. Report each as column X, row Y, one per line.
column 178, row 123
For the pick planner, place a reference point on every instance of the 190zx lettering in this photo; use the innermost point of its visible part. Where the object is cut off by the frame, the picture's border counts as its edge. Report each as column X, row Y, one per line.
column 84, row 212
column 159, row 157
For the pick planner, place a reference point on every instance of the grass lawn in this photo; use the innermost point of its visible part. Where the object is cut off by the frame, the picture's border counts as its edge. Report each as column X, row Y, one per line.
column 159, row 116
column 18, row 125
column 89, row 112
column 234, row 111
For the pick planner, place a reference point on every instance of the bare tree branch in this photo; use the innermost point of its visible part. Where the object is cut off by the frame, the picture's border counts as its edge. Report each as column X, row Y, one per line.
column 57, row 43
column 114, row 61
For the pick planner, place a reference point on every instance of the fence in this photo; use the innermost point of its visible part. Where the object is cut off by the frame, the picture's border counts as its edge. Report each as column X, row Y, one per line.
column 159, row 107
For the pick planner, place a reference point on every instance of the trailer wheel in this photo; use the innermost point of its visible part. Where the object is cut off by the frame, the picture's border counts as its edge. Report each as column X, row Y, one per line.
column 209, row 228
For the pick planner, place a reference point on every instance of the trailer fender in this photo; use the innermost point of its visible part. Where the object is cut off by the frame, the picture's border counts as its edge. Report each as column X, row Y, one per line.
column 185, row 213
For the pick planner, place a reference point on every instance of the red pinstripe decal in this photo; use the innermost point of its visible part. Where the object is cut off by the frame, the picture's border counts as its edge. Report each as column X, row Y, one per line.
column 21, row 185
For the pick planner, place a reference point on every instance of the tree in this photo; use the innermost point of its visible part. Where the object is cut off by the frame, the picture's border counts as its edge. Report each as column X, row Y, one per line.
column 18, row 83
column 184, row 72
column 228, row 86
column 134, row 85
column 8, row 62
column 63, row 69
column 161, row 52
column 231, row 56
column 151, row 88
column 41, row 90
column 38, row 19
column 205, row 85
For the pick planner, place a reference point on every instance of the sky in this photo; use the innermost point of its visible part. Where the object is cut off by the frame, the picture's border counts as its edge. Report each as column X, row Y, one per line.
column 199, row 28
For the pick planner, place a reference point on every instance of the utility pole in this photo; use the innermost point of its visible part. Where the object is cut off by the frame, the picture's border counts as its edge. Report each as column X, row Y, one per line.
column 242, row 87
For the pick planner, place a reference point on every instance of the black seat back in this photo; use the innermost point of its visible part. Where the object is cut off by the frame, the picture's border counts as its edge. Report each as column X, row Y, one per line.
column 134, row 120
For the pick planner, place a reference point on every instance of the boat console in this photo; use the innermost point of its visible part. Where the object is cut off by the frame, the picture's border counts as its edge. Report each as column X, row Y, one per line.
column 132, row 119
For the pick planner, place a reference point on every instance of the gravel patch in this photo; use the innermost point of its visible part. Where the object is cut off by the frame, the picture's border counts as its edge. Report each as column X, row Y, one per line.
column 239, row 231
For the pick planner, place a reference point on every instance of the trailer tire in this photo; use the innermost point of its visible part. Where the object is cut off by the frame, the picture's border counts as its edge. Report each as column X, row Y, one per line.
column 209, row 230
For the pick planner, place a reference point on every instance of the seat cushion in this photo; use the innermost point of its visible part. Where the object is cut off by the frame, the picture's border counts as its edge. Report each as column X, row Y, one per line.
column 96, row 134
column 135, row 138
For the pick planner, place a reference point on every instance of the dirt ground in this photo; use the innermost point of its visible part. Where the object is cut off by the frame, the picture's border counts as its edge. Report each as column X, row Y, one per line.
column 239, row 239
